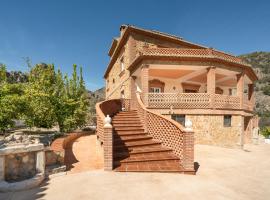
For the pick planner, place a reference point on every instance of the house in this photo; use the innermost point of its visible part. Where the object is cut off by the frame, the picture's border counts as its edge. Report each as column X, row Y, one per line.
column 165, row 81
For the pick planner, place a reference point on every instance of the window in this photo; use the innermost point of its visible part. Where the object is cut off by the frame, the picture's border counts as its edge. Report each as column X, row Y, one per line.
column 155, row 90
column 179, row 118
column 113, row 81
column 190, row 91
column 230, row 91
column 122, row 94
column 227, row 121
column 122, row 65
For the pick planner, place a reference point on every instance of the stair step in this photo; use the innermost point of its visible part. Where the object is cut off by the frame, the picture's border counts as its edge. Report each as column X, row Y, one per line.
column 146, row 159
column 131, row 138
column 127, row 125
column 148, row 155
column 126, row 117
column 155, row 166
column 137, row 144
column 126, row 113
column 116, row 122
column 126, row 128
column 129, row 133
column 147, row 150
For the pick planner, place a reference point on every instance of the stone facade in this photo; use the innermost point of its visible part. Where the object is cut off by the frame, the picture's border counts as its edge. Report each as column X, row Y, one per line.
column 20, row 166
column 209, row 129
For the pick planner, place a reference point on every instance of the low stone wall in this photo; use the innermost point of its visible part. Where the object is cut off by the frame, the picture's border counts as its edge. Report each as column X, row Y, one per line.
column 20, row 166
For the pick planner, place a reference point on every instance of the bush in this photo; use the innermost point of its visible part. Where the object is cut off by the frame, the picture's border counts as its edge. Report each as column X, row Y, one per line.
column 266, row 90
column 266, row 131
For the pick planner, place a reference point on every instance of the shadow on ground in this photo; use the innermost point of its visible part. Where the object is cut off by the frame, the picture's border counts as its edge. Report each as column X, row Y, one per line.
column 31, row 194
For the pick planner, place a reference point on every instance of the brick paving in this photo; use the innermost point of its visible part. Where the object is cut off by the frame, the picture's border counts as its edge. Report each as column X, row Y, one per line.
column 84, row 154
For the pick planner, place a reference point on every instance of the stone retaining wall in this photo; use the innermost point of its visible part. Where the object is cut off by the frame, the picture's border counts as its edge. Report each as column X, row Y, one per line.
column 20, row 166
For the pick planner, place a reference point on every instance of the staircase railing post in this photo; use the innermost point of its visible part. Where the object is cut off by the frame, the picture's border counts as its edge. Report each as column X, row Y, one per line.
column 188, row 147
column 108, row 144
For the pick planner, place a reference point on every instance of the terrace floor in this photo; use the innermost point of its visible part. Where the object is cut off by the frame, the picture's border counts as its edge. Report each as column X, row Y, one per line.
column 223, row 174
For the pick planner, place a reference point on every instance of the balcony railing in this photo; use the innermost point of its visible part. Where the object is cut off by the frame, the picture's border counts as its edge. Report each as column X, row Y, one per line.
column 195, row 101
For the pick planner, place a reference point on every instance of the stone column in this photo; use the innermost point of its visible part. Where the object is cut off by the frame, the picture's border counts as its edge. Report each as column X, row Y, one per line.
column 211, row 84
column 242, row 132
column 240, row 88
column 108, row 145
column 40, row 162
column 144, row 84
column 2, row 168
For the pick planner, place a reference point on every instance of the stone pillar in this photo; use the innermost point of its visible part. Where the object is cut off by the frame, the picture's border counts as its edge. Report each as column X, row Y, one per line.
column 2, row 168
column 211, row 84
column 242, row 132
column 40, row 162
column 240, row 88
column 108, row 145
column 145, row 84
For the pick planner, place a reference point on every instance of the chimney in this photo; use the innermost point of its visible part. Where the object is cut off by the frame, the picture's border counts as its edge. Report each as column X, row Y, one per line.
column 122, row 29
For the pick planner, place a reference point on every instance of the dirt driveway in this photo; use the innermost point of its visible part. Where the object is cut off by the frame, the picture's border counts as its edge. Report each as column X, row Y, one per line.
column 223, row 174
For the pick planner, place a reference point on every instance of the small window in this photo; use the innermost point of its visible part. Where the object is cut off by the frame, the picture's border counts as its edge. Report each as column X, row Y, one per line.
column 113, row 81
column 122, row 65
column 155, row 90
column 179, row 118
column 230, row 91
column 122, row 94
column 190, row 91
column 227, row 122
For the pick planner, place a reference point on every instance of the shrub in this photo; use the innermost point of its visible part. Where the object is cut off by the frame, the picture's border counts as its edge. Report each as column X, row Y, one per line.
column 266, row 131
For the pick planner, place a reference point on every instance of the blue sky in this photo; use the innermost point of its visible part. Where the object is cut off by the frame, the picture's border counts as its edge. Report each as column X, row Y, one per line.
column 66, row 32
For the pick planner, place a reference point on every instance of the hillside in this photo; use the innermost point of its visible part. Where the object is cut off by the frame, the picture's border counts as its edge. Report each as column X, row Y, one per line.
column 260, row 61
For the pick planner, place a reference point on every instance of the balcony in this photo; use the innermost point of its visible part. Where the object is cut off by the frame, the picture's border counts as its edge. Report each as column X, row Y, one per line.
column 196, row 101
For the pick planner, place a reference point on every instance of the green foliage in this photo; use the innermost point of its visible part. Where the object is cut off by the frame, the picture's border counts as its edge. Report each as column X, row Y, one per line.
column 265, row 131
column 55, row 100
column 12, row 102
column 266, row 90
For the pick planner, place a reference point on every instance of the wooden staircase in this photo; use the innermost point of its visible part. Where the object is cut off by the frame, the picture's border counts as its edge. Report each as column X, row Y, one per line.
column 136, row 151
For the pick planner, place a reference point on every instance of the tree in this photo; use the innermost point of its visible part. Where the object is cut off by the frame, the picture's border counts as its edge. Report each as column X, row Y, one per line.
column 40, row 112
column 12, row 103
column 56, row 100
